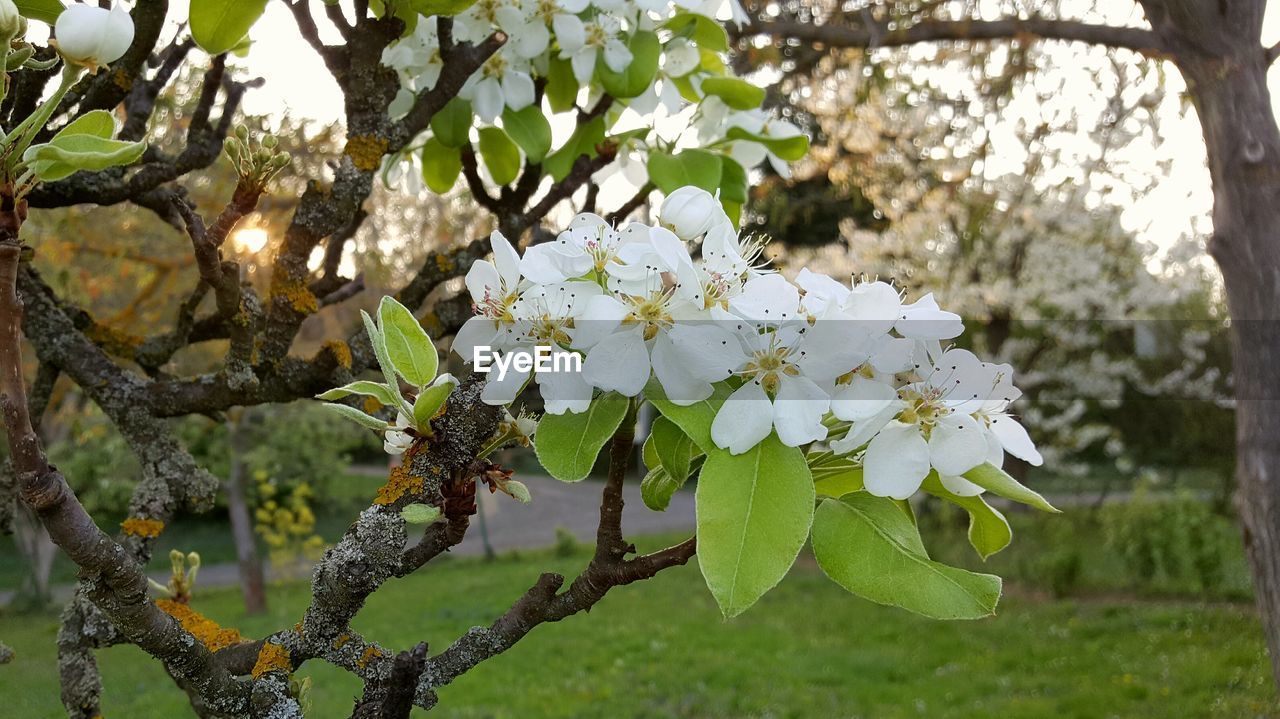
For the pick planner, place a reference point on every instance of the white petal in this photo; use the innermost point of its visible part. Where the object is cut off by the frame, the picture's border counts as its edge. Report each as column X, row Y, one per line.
column 831, row 348
column 957, row 445
column 897, row 461
column 548, row 264
column 864, row 430
column 600, row 317
column 569, row 31
column 798, row 411
column 518, row 88
column 619, row 362
column 531, row 40
column 584, row 63
column 744, row 419
column 479, row 331
column 892, row 354
column 564, row 392
column 482, row 281
column 769, row 298
column 506, row 259
column 1013, row 437
column 710, row 352
column 504, row 391
column 616, row 55
column 861, row 399
column 678, row 383
column 488, row 100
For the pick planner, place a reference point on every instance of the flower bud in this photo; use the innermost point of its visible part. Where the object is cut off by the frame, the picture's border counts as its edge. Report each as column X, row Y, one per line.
column 91, row 36
column 10, row 21
column 690, row 212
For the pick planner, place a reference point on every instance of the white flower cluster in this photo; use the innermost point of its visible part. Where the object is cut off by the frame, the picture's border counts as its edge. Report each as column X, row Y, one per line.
column 813, row 360
column 577, row 42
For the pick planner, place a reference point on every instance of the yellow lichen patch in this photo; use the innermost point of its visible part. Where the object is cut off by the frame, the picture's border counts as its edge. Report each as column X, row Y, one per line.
column 370, row 653
column 297, row 295
column 205, row 630
column 271, row 658
column 366, row 151
column 400, row 483
column 123, row 80
column 139, row 527
column 340, row 352
column 444, row 262
column 432, row 324
column 341, row 641
column 114, row 341
column 371, row 405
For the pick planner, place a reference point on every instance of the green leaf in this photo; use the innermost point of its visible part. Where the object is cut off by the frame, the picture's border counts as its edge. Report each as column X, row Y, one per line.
column 694, row 419
column 531, row 131
column 657, row 487
column 568, row 444
column 674, row 449
column 786, row 148
column 440, row 7
column 362, row 387
column 736, row 93
column 219, row 25
column 500, row 155
column 429, row 401
column 691, row 167
column 997, row 481
column 96, row 123
column 733, row 181
column 704, row 31
column 734, row 211
column 989, row 531
column 835, row 475
column 452, row 124
column 42, row 10
column 72, row 153
column 868, row 546
column 408, row 346
column 638, row 75
column 357, row 416
column 754, row 512
column 420, row 513
column 441, row 165
column 583, row 141
column 562, row 85
column 379, row 343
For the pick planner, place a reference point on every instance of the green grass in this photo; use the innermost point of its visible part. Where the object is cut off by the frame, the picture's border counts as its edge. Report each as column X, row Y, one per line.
column 660, row 649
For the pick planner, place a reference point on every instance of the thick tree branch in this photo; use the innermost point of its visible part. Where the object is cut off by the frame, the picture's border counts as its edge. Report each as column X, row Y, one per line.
column 115, row 581
column 874, row 36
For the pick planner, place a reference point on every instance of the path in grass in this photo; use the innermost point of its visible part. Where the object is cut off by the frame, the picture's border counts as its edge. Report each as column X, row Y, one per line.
column 809, row 650
column 510, row 525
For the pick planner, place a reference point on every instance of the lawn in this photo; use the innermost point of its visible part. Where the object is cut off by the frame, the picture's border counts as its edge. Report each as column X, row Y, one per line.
column 660, row 649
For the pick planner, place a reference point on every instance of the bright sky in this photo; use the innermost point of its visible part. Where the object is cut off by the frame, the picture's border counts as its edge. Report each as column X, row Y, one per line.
column 298, row 83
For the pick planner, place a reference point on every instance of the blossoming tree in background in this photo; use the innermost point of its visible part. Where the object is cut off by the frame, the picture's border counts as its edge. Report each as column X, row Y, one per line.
column 811, row 409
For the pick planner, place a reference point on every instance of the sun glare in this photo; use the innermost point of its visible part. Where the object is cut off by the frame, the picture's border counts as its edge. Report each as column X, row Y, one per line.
column 250, row 239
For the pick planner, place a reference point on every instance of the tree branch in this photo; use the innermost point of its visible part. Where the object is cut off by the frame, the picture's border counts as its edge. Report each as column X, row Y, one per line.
column 544, row 602
column 115, row 581
column 881, row 35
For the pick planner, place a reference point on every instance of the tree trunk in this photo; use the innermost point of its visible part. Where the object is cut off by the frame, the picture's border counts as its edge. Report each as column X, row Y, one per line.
column 1243, row 145
column 250, row 562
